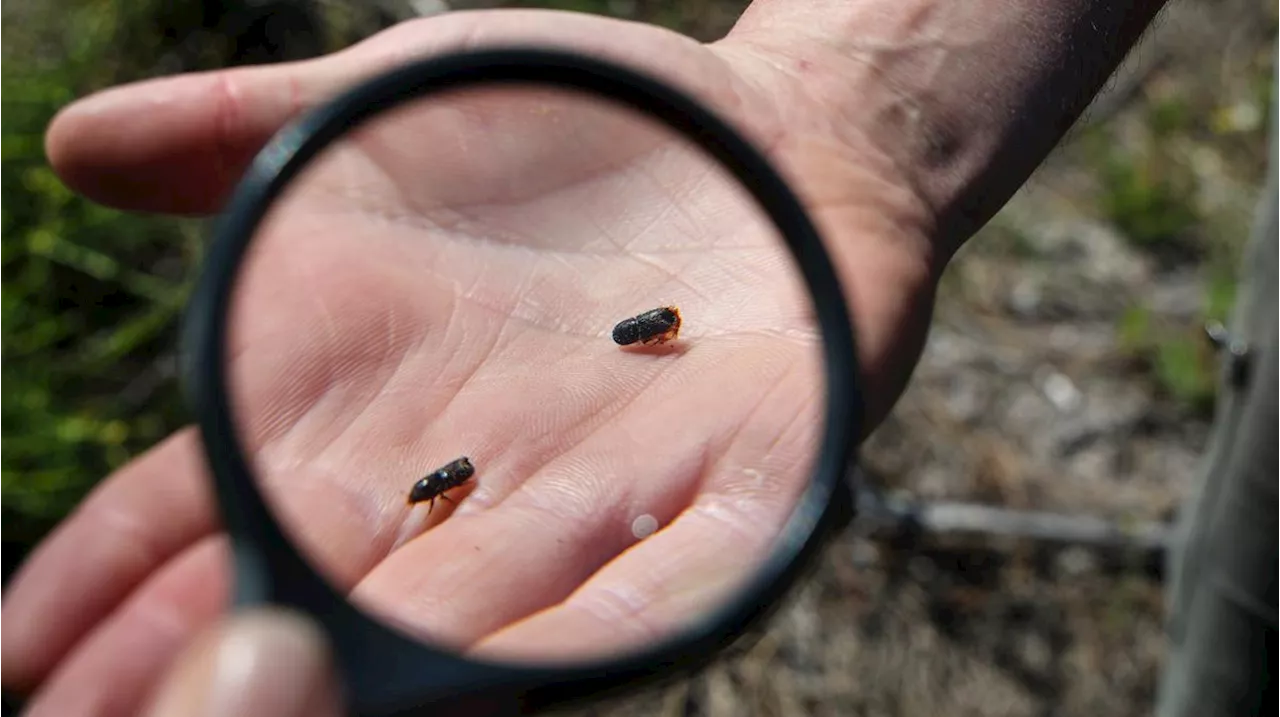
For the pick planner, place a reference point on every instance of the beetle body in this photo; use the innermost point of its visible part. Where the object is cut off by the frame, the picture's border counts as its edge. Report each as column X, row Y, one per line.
column 440, row 481
column 656, row 326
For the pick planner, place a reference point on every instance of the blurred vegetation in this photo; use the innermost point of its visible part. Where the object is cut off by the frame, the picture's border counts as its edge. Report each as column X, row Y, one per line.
column 1148, row 199
column 704, row 20
column 1146, row 188
column 1151, row 190
column 91, row 296
column 1177, row 357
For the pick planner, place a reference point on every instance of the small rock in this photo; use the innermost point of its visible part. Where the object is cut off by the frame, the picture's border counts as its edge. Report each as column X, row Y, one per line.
column 864, row 554
column 1074, row 562
column 1177, row 297
column 1110, row 410
column 934, row 481
column 1035, row 652
column 1061, row 392
column 1025, row 298
column 966, row 398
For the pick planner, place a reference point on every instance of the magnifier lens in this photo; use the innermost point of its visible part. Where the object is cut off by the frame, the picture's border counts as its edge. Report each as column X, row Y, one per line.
column 526, row 374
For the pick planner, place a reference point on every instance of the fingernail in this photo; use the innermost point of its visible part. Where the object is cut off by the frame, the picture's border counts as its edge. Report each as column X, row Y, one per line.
column 269, row 662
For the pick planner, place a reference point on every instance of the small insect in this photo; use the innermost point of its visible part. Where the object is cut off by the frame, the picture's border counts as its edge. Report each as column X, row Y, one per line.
column 656, row 326
column 440, row 481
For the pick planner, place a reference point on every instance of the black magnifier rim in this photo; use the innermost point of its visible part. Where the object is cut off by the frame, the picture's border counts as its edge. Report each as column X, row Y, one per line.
column 384, row 670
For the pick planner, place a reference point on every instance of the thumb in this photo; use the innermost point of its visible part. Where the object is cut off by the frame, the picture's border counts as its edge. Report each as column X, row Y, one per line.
column 265, row 663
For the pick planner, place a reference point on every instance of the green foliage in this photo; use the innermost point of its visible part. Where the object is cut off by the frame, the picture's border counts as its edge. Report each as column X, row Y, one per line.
column 1220, row 292
column 1135, row 330
column 1152, row 204
column 1183, row 369
column 1177, row 357
column 1182, row 361
column 1168, row 116
column 1127, row 599
column 90, row 295
column 1146, row 189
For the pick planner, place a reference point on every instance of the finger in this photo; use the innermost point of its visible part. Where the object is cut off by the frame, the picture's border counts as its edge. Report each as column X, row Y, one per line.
column 131, row 525
column 174, row 144
column 576, row 513
column 680, row 573
column 179, row 144
column 111, row 673
column 533, row 548
column 267, row 663
column 661, row 586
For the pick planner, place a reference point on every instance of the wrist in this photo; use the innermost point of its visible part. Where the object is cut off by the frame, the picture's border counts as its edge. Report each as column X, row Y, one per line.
column 956, row 102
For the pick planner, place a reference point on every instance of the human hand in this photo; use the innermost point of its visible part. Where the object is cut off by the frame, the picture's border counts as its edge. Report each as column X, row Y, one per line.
column 265, row 663
column 108, row 600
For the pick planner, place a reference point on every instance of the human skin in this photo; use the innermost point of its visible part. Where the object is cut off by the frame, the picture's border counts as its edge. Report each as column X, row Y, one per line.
column 904, row 126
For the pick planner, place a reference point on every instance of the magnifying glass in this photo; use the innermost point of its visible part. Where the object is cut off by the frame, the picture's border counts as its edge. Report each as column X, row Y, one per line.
column 526, row 376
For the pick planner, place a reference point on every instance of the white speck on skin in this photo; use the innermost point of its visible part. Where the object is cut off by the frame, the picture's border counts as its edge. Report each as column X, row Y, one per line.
column 644, row 526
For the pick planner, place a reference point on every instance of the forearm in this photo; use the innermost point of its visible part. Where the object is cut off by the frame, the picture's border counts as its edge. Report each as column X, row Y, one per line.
column 961, row 98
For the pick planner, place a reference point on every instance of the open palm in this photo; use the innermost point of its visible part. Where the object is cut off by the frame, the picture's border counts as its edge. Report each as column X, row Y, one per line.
column 444, row 284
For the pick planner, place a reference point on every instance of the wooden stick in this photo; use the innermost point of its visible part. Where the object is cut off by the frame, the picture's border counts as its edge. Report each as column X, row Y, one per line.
column 887, row 517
